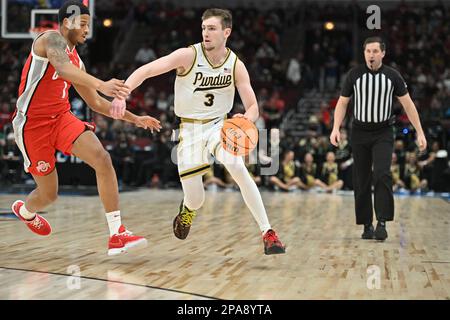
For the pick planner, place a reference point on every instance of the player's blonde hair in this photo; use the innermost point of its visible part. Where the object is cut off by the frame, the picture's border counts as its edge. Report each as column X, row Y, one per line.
column 223, row 14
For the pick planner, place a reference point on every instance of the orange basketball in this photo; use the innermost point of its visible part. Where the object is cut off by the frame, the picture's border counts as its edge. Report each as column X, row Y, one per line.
column 239, row 136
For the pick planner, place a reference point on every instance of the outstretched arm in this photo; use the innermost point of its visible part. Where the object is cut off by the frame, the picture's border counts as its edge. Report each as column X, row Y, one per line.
column 101, row 105
column 246, row 92
column 54, row 45
column 181, row 60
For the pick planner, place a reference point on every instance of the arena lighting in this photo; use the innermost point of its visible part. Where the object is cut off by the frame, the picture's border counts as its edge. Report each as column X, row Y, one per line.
column 329, row 25
column 107, row 23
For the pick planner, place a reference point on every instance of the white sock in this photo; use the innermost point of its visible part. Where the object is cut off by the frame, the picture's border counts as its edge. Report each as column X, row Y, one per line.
column 194, row 192
column 26, row 214
column 249, row 190
column 114, row 222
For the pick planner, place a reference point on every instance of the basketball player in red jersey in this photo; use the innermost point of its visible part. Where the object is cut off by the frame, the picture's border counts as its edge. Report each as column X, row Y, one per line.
column 43, row 123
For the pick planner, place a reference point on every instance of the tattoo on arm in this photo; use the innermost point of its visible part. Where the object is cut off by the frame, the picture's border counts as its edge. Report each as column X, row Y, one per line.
column 56, row 49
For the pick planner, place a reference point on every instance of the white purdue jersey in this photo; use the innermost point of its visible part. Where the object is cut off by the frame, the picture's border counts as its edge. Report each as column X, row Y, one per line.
column 205, row 92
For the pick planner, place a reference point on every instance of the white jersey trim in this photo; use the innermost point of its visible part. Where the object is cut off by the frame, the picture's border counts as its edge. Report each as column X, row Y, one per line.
column 32, row 46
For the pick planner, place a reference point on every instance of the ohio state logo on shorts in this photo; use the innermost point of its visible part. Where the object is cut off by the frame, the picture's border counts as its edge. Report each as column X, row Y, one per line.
column 42, row 166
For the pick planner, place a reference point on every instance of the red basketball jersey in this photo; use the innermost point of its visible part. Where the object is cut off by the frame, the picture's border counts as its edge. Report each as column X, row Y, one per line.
column 42, row 93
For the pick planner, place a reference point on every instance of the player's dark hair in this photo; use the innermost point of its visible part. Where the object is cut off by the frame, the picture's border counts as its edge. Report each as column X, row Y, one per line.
column 224, row 14
column 68, row 9
column 375, row 39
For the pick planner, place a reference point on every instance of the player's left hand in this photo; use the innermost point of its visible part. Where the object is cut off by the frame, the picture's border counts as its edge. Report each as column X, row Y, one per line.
column 421, row 142
column 148, row 122
column 117, row 110
column 247, row 116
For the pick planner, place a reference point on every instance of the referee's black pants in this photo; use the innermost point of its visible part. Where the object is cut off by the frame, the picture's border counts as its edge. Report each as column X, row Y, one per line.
column 372, row 155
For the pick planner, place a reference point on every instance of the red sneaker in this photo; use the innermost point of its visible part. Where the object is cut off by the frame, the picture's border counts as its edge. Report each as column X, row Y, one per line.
column 38, row 225
column 272, row 245
column 123, row 241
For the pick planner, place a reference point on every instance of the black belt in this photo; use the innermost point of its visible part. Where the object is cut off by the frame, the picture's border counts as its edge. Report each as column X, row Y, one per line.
column 373, row 125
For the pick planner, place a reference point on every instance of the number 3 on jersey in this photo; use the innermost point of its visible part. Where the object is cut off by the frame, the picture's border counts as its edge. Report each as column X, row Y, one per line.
column 210, row 100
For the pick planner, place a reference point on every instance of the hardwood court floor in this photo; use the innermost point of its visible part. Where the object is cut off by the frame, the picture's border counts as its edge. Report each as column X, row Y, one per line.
column 223, row 255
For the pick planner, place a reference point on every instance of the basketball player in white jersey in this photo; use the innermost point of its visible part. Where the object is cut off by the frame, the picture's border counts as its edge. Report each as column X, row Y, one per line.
column 207, row 75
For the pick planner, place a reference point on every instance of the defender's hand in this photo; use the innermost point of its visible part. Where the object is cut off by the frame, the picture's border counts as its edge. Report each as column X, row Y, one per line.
column 148, row 122
column 115, row 88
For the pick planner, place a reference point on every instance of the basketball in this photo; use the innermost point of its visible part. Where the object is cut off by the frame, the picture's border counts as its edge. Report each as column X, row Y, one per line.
column 239, row 136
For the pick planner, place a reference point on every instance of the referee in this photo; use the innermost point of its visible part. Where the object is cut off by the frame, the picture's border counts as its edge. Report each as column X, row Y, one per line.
column 373, row 86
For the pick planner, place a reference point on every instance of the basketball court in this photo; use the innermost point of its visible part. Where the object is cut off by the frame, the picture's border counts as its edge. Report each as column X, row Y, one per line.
column 223, row 256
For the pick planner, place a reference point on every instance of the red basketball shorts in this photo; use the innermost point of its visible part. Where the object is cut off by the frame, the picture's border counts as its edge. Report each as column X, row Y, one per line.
column 39, row 138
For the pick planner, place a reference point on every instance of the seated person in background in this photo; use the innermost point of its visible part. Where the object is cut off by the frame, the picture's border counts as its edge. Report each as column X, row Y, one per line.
column 329, row 178
column 287, row 179
column 426, row 161
column 395, row 171
column 308, row 171
column 413, row 174
column 345, row 161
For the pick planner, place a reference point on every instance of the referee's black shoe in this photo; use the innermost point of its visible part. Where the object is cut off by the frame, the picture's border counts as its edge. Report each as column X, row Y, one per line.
column 380, row 231
column 368, row 232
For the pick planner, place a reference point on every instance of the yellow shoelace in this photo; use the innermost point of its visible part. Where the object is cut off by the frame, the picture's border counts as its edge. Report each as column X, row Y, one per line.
column 187, row 217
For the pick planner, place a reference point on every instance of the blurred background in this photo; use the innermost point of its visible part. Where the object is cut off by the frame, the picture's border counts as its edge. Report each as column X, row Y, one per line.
column 297, row 54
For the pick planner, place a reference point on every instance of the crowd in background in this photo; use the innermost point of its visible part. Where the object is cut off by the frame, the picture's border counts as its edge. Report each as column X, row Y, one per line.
column 418, row 40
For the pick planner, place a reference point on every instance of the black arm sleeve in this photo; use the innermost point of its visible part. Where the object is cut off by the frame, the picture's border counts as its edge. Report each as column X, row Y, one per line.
column 400, row 87
column 347, row 87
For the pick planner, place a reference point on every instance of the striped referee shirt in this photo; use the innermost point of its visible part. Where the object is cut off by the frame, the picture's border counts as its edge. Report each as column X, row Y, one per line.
column 373, row 92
